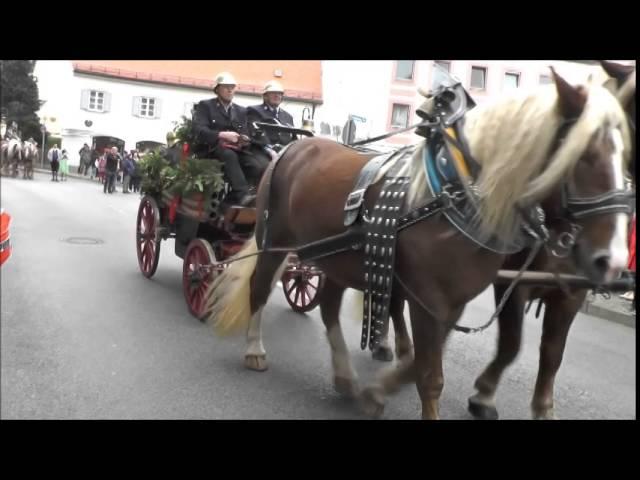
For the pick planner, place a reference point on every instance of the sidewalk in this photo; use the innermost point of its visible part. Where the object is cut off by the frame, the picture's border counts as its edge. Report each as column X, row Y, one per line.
column 614, row 309
column 71, row 174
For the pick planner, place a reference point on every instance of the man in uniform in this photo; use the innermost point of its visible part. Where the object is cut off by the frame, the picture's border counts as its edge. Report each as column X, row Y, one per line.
column 220, row 128
column 270, row 112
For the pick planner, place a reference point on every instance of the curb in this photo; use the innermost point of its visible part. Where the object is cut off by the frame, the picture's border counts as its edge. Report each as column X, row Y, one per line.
column 71, row 175
column 616, row 316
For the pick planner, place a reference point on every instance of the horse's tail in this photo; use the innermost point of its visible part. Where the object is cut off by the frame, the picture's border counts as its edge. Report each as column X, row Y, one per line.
column 228, row 297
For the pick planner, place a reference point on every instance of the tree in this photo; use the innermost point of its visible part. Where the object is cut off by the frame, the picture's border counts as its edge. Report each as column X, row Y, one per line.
column 19, row 100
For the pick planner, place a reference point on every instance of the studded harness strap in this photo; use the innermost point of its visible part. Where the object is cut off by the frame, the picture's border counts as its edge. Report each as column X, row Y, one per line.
column 379, row 251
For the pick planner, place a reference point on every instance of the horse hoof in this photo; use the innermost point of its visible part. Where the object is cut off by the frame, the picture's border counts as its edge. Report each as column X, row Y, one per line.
column 345, row 386
column 481, row 411
column 256, row 362
column 546, row 414
column 371, row 401
column 382, row 354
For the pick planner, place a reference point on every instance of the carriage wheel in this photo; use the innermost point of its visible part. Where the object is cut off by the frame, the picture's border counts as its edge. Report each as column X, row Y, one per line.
column 147, row 236
column 302, row 285
column 198, row 271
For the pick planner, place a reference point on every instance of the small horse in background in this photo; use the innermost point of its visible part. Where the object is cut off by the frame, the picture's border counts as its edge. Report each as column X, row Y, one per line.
column 561, row 305
column 11, row 157
column 437, row 269
column 30, row 156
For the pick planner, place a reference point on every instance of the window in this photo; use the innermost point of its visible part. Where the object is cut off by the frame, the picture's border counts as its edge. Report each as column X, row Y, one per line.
column 95, row 101
column 443, row 64
column 479, row 77
column 439, row 69
column 511, row 80
column 146, row 107
column 404, row 69
column 544, row 79
column 400, row 116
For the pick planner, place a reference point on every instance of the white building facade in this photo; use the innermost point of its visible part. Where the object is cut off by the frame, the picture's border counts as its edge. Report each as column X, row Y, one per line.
column 379, row 95
column 79, row 106
column 385, row 92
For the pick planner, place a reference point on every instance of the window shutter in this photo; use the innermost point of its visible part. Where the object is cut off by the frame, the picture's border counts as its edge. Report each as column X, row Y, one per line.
column 136, row 106
column 157, row 112
column 107, row 102
column 84, row 99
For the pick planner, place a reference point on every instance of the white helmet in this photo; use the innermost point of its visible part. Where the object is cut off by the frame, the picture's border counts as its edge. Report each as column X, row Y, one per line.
column 224, row 78
column 273, row 86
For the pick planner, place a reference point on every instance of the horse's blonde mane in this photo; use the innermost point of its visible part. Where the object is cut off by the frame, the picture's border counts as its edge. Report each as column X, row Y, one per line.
column 511, row 138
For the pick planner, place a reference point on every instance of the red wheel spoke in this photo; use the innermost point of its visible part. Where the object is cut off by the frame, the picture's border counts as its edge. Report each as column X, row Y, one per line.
column 147, row 249
column 152, row 254
column 289, row 290
column 311, row 295
column 149, row 256
column 296, row 297
column 303, row 297
column 196, row 300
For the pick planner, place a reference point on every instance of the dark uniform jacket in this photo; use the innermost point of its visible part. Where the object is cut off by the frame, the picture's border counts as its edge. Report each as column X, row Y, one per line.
column 112, row 162
column 264, row 113
column 210, row 118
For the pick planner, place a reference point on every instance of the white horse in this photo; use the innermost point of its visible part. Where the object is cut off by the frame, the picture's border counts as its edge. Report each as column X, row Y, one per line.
column 29, row 157
column 11, row 156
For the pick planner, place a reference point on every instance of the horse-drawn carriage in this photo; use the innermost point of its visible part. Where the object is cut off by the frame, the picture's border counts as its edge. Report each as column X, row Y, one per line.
column 206, row 236
column 430, row 226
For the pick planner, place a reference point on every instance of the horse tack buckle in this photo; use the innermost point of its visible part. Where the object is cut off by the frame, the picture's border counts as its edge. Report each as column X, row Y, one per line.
column 454, row 195
column 355, row 199
column 565, row 241
column 451, row 197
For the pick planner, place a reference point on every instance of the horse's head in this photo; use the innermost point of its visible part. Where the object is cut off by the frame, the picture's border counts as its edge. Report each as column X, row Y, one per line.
column 565, row 148
column 590, row 208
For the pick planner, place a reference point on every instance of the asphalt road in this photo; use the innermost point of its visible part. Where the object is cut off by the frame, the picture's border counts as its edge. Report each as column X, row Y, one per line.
column 86, row 336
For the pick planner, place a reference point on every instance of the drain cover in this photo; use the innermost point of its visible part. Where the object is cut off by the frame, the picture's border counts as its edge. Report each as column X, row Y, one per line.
column 83, row 240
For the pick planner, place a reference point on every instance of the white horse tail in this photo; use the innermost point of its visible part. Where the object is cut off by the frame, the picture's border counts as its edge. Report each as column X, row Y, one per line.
column 228, row 297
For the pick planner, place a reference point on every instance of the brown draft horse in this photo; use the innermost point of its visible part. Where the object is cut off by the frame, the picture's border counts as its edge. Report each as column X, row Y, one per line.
column 561, row 306
column 437, row 269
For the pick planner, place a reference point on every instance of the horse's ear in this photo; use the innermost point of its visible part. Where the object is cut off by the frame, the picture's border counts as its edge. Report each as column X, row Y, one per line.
column 611, row 84
column 617, row 70
column 571, row 100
